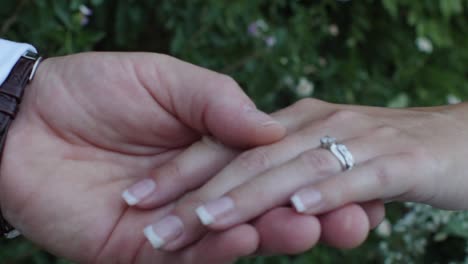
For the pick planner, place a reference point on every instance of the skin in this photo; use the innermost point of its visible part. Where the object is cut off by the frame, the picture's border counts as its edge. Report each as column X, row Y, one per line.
column 93, row 124
column 412, row 155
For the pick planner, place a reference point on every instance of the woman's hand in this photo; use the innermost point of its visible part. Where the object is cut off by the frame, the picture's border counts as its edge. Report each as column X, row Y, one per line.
column 400, row 154
column 283, row 167
column 92, row 124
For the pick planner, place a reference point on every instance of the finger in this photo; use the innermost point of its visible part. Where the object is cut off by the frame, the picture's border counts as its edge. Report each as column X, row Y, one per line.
column 275, row 187
column 224, row 247
column 304, row 112
column 216, row 248
column 346, row 227
column 187, row 171
column 208, row 102
column 261, row 193
column 381, row 178
column 375, row 211
column 284, row 231
column 254, row 162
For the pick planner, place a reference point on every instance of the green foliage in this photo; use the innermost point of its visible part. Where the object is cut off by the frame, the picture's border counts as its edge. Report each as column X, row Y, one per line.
column 393, row 53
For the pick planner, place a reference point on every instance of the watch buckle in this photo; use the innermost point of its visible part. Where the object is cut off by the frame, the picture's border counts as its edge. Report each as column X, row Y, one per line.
column 12, row 234
column 36, row 58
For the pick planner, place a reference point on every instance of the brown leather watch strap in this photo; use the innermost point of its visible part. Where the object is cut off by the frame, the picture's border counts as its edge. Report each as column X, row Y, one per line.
column 11, row 92
column 18, row 78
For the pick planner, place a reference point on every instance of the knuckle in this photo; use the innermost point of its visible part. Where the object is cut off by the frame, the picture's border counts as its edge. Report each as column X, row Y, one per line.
column 239, row 194
column 254, row 160
column 173, row 170
column 189, row 202
column 386, row 131
column 227, row 82
column 308, row 103
column 342, row 116
column 382, row 176
column 317, row 160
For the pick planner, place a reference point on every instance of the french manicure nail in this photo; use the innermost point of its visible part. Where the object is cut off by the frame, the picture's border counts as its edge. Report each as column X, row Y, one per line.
column 167, row 229
column 214, row 210
column 305, row 200
column 138, row 191
column 261, row 117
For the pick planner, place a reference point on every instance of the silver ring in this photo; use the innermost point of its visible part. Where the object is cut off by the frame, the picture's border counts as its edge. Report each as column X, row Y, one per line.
column 340, row 151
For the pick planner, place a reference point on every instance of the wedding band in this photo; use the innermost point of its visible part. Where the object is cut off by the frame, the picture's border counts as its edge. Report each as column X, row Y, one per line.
column 340, row 151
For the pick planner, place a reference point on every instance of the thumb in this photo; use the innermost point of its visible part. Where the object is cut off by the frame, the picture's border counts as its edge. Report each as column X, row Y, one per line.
column 211, row 103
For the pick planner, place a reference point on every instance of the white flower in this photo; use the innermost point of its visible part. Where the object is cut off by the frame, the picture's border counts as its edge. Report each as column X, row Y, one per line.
column 453, row 99
column 257, row 27
column 270, row 41
column 262, row 24
column 86, row 11
column 333, row 30
column 304, row 87
column 384, row 229
column 424, row 45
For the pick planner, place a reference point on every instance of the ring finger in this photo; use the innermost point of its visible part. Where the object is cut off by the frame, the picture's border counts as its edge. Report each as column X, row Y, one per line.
column 386, row 177
column 269, row 189
column 274, row 187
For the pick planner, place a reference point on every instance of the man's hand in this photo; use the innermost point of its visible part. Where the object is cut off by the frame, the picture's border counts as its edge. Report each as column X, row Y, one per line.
column 91, row 124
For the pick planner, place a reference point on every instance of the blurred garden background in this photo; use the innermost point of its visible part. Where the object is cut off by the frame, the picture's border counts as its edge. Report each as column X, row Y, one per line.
column 394, row 53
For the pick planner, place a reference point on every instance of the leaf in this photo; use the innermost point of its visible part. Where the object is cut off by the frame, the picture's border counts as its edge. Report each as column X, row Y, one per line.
column 449, row 8
column 391, row 6
column 61, row 11
column 97, row 2
column 457, row 227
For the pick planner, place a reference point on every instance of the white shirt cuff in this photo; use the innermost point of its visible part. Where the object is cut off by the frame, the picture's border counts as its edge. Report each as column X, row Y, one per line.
column 10, row 53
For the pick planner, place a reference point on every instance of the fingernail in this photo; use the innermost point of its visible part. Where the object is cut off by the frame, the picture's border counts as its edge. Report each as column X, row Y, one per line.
column 260, row 117
column 214, row 210
column 138, row 191
column 305, row 200
column 167, row 229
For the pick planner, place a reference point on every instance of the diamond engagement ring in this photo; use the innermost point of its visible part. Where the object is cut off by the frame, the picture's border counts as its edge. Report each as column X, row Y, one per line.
column 340, row 151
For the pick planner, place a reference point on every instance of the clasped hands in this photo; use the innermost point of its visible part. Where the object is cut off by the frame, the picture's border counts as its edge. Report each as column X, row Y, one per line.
column 205, row 177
